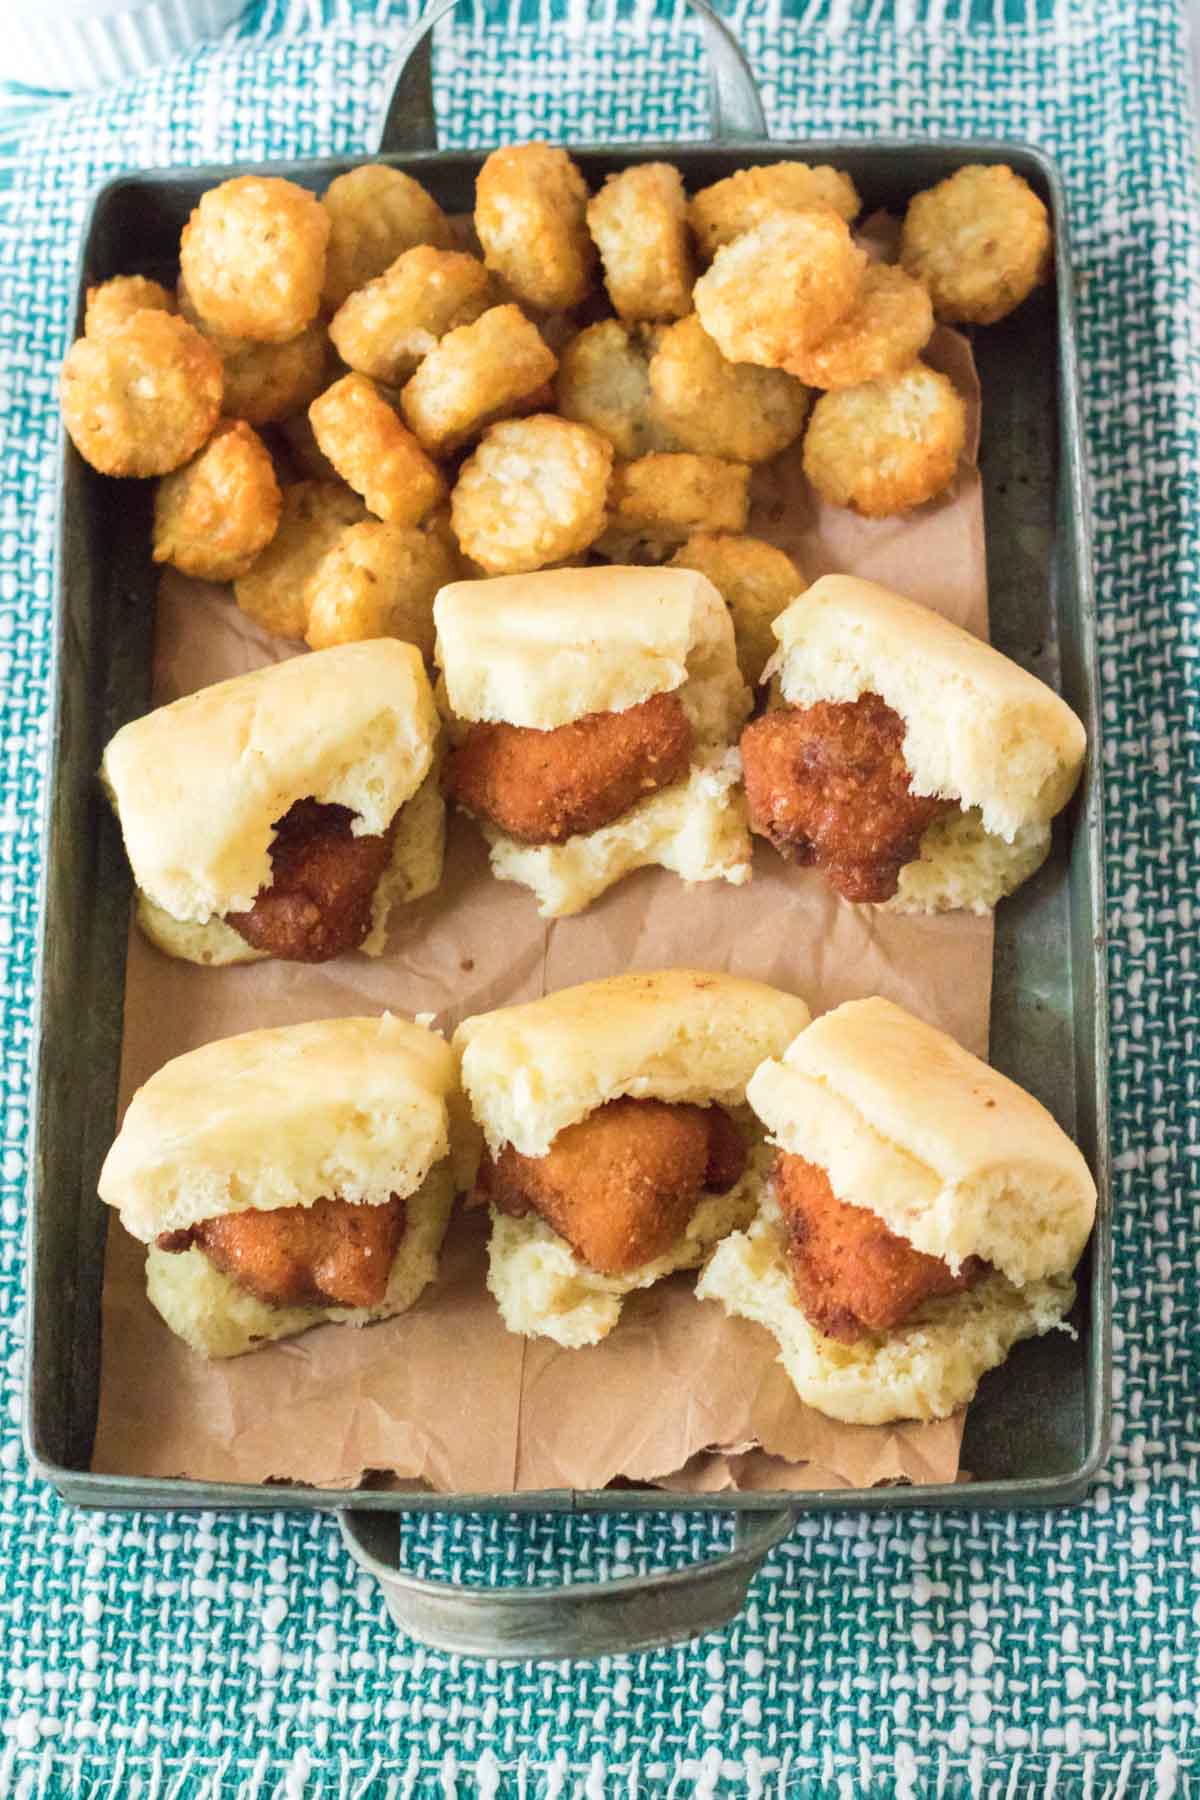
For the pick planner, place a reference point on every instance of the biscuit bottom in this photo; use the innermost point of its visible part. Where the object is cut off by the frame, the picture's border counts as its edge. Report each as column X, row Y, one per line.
column 923, row 1369
column 216, row 1316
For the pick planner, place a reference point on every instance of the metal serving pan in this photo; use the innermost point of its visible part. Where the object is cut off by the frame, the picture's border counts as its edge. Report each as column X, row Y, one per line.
column 1037, row 1432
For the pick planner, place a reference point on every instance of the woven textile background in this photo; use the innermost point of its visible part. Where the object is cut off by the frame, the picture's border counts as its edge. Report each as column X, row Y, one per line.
column 195, row 1656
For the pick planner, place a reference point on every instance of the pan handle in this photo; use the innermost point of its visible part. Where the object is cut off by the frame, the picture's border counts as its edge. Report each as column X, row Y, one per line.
column 603, row 1618
column 408, row 121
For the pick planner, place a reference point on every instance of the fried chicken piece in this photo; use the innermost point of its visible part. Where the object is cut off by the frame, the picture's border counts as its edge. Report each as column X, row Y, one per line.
column 828, row 784
column 324, row 879
column 621, row 1185
column 542, row 787
column 332, row 1253
column 851, row 1274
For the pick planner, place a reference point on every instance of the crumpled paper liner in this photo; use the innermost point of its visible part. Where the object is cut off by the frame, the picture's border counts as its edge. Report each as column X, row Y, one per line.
column 444, row 1397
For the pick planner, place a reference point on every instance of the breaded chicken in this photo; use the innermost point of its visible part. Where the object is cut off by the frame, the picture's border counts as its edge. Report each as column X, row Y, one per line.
column 332, row 1253
column 253, row 257
column 142, row 399
column 887, row 446
column 889, row 323
column 378, row 581
column 756, row 582
column 657, row 502
column 828, row 784
column 532, row 494
column 375, row 213
column 375, row 452
column 719, row 408
column 851, row 1274
column 604, row 381
column 274, row 590
column 542, row 787
column 531, row 218
column 112, row 303
column 621, row 1185
column 780, row 287
column 217, row 514
column 725, row 210
column 323, row 882
column 639, row 223
column 979, row 241
column 385, row 328
column 476, row 374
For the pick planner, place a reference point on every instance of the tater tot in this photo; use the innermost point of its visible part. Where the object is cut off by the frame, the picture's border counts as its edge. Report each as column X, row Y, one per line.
column 214, row 516
column 375, row 213
column 658, row 501
column 881, row 334
column 722, row 212
column 375, row 452
column 299, row 453
column 384, row 329
column 377, row 581
column 142, row 400
column 476, row 374
column 113, row 302
column 604, row 381
column 253, row 257
column 887, row 446
column 756, row 581
column 312, row 518
column 531, row 218
column 719, row 408
column 533, row 493
column 780, row 287
column 267, row 382
column 979, row 242
column 639, row 223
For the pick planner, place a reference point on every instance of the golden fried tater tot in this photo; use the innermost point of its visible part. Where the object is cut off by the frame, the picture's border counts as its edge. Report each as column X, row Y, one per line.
column 375, row 452
column 604, row 381
column 312, row 518
column 979, row 242
column 722, row 212
column 142, row 400
column 115, row 301
column 267, row 382
column 298, row 452
column 477, row 374
column 888, row 445
column 639, row 223
column 718, row 408
column 657, row 502
column 881, row 334
column 376, row 581
column 755, row 580
column 375, row 214
column 384, row 329
column 253, row 257
column 213, row 517
column 530, row 216
column 533, row 493
column 780, row 287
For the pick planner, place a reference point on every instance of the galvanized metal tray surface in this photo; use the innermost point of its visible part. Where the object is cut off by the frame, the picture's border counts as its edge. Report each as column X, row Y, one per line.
column 1037, row 1431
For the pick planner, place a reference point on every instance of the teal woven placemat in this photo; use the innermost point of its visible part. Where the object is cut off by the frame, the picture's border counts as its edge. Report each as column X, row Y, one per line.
column 1058, row 1654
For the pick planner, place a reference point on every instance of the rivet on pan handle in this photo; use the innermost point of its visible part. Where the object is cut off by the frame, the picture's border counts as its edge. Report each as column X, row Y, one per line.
column 408, row 121
column 604, row 1618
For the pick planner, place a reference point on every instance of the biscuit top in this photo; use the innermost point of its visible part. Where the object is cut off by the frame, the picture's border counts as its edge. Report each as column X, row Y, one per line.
column 951, row 1154
column 348, row 1109
column 980, row 729
column 199, row 785
column 541, row 650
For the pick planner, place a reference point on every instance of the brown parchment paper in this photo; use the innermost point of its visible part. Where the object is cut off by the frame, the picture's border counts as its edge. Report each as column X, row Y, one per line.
column 444, row 1397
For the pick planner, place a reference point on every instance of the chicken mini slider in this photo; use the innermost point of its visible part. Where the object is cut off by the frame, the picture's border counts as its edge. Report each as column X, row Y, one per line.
column 289, row 1176
column 594, row 718
column 619, row 1146
column 924, row 1214
column 910, row 761
column 285, row 812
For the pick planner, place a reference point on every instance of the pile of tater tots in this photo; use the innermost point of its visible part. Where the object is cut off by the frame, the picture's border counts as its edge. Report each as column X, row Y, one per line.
column 349, row 401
